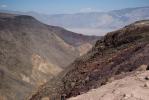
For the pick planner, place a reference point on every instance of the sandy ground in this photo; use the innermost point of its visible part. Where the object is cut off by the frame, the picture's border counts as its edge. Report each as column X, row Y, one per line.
column 134, row 87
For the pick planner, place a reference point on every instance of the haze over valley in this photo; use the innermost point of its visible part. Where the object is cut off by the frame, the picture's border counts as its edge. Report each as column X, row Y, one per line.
column 92, row 23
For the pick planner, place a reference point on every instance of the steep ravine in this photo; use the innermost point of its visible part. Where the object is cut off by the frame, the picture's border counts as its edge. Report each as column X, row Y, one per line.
column 115, row 56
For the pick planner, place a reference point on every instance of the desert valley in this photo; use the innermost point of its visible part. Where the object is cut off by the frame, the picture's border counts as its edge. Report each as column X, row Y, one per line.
column 79, row 56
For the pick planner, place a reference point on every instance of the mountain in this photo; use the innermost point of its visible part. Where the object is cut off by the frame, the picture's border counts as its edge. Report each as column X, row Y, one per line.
column 31, row 53
column 117, row 55
column 97, row 23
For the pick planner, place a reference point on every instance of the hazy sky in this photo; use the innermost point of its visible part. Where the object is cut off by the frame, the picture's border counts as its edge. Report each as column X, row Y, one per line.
column 69, row 6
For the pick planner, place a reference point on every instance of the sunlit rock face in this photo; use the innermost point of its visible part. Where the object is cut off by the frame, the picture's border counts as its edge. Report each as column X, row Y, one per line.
column 83, row 49
column 42, row 70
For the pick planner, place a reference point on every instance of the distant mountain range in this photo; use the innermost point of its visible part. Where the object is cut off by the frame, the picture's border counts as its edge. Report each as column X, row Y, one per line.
column 97, row 23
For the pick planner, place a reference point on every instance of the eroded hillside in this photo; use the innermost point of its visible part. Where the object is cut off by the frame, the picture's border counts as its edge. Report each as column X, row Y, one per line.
column 115, row 56
column 31, row 53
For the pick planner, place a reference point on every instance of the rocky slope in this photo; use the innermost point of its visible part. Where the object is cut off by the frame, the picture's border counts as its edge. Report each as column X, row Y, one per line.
column 132, row 87
column 31, row 53
column 117, row 54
